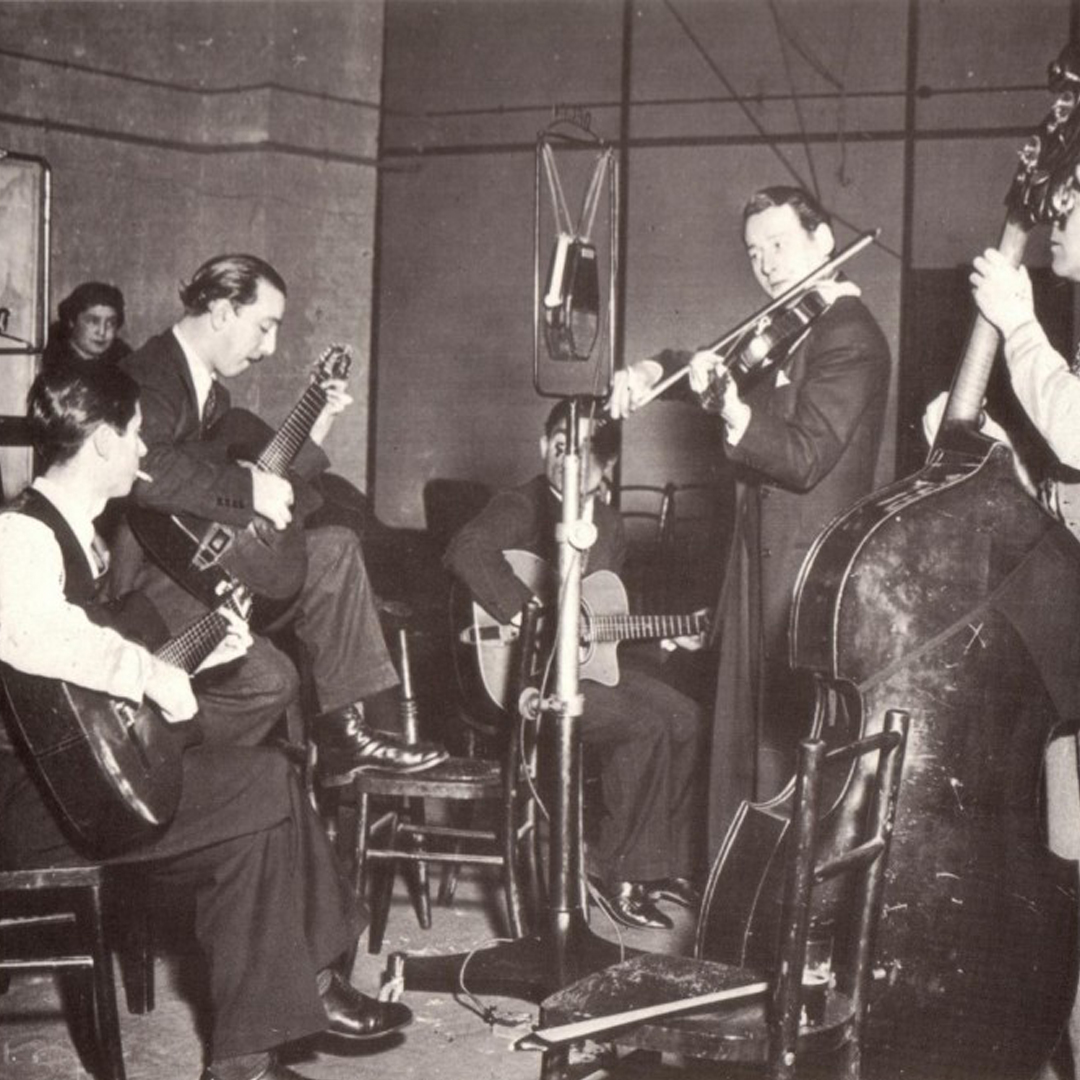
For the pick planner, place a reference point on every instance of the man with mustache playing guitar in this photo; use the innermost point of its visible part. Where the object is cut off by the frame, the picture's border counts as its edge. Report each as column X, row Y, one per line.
column 647, row 733
column 273, row 914
column 233, row 307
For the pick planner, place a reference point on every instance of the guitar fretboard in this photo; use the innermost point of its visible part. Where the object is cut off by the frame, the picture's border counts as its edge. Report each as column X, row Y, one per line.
column 285, row 445
column 641, row 627
column 192, row 646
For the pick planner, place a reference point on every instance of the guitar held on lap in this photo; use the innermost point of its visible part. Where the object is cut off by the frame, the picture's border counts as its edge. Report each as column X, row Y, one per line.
column 270, row 561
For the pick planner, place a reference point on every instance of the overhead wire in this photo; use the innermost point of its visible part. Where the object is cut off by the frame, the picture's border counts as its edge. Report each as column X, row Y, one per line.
column 762, row 131
column 796, row 103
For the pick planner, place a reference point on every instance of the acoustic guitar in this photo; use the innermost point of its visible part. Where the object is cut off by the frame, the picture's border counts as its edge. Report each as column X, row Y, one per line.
column 203, row 555
column 113, row 768
column 605, row 621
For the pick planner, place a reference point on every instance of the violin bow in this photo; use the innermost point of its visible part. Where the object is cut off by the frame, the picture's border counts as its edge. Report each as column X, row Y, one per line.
column 792, row 295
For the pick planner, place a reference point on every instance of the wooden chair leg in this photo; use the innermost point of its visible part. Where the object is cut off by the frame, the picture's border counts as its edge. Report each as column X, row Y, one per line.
column 106, row 1020
column 416, row 872
column 137, row 963
column 381, row 892
column 359, row 855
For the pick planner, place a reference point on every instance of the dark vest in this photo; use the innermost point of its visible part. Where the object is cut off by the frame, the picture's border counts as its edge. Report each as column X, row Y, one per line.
column 132, row 615
column 80, row 586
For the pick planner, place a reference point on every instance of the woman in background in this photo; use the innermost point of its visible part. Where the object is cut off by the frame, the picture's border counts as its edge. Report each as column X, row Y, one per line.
column 89, row 321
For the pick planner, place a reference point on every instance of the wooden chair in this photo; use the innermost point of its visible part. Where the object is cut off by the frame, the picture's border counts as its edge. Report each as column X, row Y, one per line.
column 802, row 986
column 675, row 534
column 55, row 919
column 402, row 836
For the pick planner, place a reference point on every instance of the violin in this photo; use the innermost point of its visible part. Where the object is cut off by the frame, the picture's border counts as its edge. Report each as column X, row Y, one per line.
column 765, row 343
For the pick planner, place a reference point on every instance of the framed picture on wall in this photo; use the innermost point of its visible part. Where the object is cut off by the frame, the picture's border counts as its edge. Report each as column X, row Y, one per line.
column 24, row 197
column 24, row 303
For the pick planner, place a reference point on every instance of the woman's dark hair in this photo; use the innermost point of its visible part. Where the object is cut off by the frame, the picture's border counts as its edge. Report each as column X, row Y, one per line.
column 807, row 209
column 228, row 277
column 87, row 295
column 69, row 400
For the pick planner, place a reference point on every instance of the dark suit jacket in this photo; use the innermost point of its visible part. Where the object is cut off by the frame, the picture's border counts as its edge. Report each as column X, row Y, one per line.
column 808, row 453
column 187, row 475
column 524, row 518
column 811, row 448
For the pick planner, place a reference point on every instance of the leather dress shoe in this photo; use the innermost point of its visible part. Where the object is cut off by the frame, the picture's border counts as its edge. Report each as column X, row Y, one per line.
column 627, row 902
column 678, row 890
column 346, row 745
column 356, row 1016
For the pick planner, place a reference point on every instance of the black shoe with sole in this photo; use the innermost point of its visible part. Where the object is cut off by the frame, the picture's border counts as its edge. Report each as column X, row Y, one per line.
column 346, row 745
column 628, row 903
column 354, row 1015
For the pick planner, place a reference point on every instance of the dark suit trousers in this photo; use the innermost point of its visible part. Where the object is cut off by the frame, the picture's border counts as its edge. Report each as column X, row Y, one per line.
column 649, row 737
column 271, row 907
column 335, row 618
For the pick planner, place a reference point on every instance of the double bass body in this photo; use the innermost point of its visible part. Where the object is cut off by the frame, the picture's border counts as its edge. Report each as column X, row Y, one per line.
column 953, row 595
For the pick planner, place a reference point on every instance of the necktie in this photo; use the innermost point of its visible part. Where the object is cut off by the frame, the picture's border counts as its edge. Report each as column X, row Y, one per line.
column 210, row 407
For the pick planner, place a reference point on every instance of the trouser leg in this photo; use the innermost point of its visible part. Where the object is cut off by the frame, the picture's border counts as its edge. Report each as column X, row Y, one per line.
column 337, row 620
column 271, row 906
column 635, row 762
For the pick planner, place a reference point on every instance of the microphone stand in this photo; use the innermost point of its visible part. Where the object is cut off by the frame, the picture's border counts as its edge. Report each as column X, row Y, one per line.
column 566, row 949
column 574, row 537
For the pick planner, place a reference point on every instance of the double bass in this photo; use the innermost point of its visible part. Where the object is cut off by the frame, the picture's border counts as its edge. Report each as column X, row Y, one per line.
column 954, row 595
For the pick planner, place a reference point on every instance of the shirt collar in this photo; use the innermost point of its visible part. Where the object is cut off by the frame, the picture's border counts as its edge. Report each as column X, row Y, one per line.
column 75, row 516
column 200, row 377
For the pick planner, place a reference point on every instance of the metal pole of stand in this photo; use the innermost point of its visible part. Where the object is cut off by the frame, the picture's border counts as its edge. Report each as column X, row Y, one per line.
column 565, row 913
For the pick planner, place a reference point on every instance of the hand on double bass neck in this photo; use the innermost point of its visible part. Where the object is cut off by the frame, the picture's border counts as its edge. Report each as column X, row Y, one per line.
column 1002, row 291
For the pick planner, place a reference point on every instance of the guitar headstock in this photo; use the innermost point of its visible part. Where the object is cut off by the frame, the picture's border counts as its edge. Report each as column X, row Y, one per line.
column 334, row 363
column 1046, row 181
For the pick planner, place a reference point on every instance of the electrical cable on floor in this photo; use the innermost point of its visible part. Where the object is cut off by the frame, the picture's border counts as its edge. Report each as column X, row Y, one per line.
column 492, row 1015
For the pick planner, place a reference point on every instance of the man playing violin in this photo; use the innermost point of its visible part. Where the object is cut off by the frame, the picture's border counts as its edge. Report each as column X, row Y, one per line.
column 804, row 437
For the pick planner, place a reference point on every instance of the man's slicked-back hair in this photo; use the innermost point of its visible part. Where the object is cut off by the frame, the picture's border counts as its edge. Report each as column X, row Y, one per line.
column 807, row 209
column 228, row 277
column 69, row 400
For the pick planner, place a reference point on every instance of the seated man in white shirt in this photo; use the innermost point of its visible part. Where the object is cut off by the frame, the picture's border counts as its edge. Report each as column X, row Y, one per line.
column 274, row 917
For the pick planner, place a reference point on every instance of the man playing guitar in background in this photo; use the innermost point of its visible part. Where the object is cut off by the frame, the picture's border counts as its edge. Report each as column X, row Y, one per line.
column 647, row 733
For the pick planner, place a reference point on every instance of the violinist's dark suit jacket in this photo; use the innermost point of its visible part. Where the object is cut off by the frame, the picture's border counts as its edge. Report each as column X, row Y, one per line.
column 808, row 453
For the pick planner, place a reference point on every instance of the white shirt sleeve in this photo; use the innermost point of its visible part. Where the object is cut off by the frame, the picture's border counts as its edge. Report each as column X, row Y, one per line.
column 41, row 633
column 1048, row 390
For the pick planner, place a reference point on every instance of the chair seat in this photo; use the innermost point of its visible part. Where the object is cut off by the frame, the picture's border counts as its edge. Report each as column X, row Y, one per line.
column 454, row 778
column 731, row 1031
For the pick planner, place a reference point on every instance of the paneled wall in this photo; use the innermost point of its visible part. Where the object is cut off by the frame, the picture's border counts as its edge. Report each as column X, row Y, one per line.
column 177, row 131
column 712, row 114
